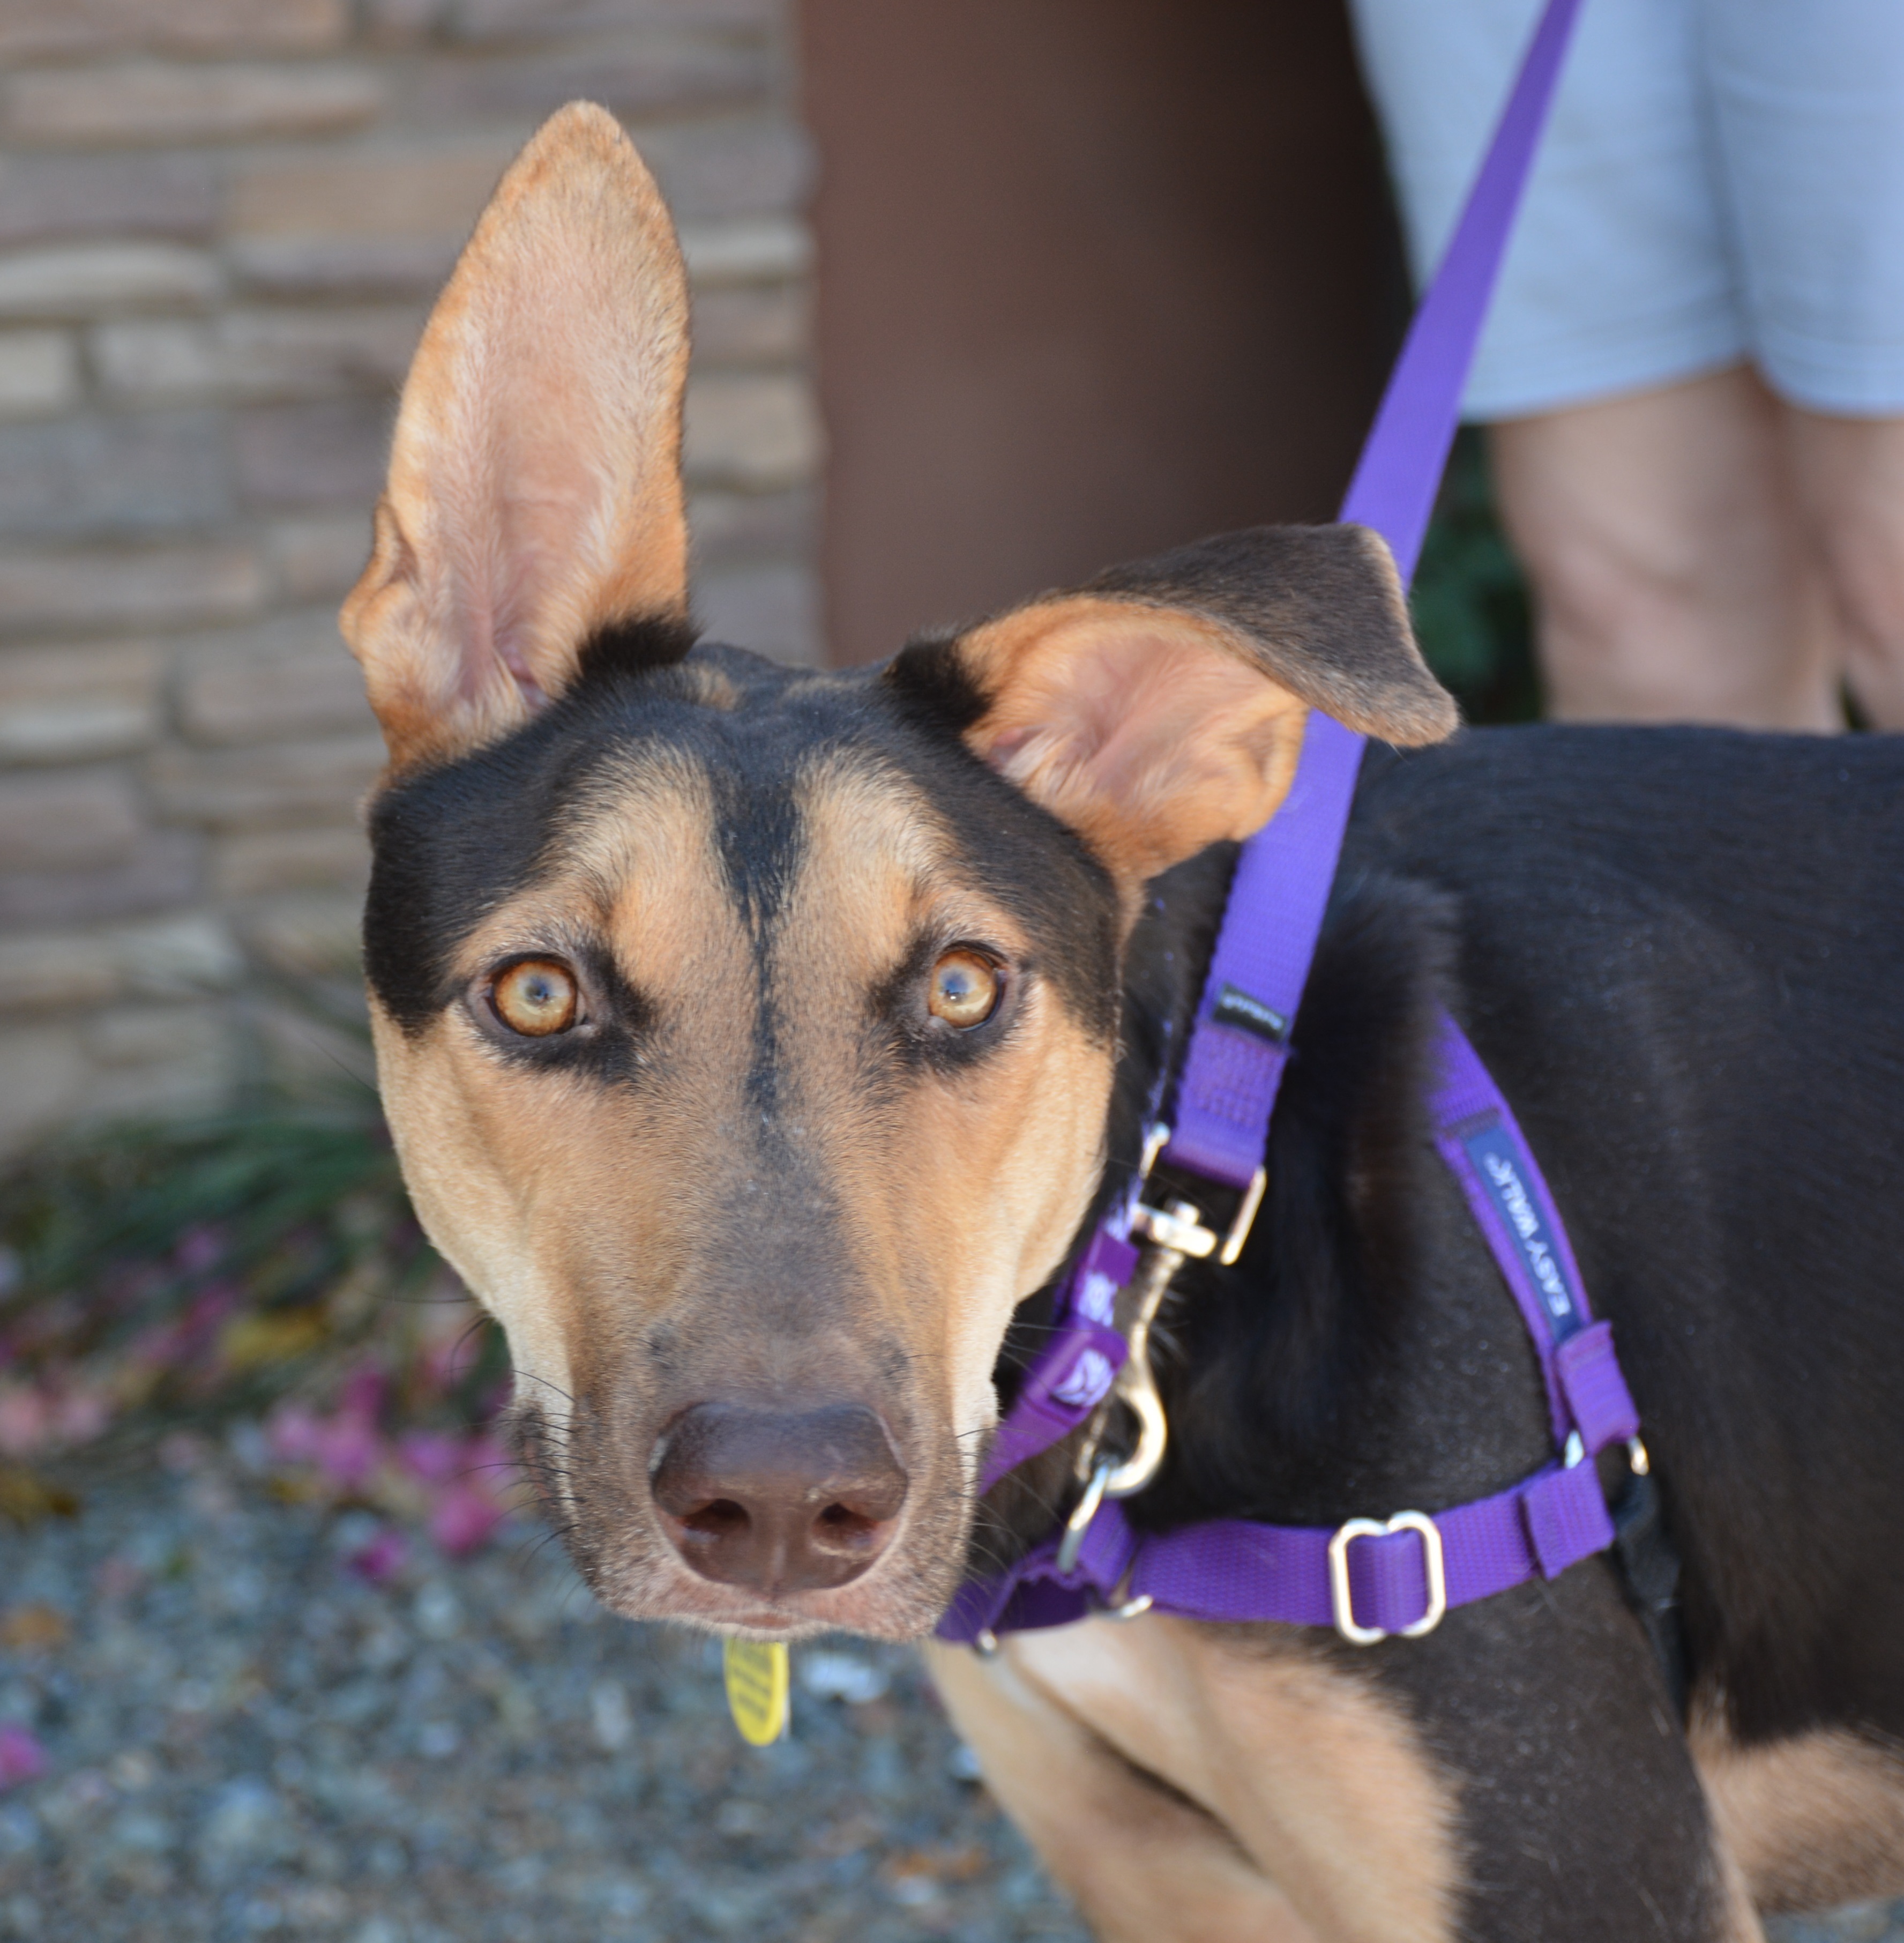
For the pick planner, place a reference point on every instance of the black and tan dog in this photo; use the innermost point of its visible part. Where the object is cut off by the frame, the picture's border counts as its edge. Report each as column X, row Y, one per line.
column 757, row 1043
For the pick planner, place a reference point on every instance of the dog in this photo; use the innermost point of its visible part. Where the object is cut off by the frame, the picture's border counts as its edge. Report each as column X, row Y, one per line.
column 760, row 1044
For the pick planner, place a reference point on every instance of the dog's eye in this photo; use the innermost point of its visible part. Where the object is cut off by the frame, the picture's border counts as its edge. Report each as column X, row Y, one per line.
column 535, row 997
column 965, row 990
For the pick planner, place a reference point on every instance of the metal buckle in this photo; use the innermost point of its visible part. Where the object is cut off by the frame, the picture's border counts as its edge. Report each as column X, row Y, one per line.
column 1246, row 1218
column 1120, row 1605
column 1180, row 1225
column 1177, row 1226
column 1083, row 1512
column 1342, row 1601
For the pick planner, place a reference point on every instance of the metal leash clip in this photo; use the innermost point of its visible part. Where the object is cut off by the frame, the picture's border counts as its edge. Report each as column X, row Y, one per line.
column 1173, row 1235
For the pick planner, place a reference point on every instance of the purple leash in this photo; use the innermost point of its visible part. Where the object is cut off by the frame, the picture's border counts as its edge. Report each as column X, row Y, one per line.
column 1369, row 1577
column 1283, row 877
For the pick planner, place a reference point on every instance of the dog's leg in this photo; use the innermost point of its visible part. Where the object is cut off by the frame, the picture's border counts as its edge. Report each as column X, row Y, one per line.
column 1142, row 1862
column 1582, row 1814
column 1518, row 1773
column 1319, row 1782
column 1814, row 1820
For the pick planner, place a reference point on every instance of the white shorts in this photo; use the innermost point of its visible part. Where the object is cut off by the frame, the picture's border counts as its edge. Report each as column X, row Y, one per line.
column 1721, row 181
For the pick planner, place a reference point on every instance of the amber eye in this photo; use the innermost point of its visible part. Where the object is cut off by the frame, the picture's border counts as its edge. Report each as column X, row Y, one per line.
column 965, row 990
column 535, row 997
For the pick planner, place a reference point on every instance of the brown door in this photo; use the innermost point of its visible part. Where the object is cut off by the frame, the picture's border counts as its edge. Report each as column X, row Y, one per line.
column 1096, row 276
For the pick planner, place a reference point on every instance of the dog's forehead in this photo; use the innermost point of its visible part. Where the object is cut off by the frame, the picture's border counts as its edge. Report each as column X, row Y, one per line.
column 777, row 794
column 786, row 796
column 680, row 849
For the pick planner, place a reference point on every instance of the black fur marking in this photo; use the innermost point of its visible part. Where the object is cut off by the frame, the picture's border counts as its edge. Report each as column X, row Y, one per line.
column 1321, row 607
column 633, row 647
column 934, row 686
column 761, row 841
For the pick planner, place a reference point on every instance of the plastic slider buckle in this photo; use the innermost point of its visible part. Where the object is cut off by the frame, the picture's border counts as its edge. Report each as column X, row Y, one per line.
column 1341, row 1600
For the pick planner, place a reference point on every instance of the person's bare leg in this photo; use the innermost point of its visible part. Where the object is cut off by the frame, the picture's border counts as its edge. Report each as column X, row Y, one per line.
column 1671, row 577
column 1849, row 473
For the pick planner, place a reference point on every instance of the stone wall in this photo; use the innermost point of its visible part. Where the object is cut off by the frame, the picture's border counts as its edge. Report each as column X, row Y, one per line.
column 221, row 225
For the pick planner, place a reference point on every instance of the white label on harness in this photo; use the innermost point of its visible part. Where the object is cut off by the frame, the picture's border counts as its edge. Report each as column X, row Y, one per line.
column 1494, row 1153
column 1090, row 1376
column 1097, row 1299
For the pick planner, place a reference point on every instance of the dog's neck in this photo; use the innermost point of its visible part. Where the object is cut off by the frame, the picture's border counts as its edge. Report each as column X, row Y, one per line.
column 1286, row 1379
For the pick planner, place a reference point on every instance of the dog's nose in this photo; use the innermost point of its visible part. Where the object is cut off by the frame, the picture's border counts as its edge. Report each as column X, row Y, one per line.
column 779, row 1501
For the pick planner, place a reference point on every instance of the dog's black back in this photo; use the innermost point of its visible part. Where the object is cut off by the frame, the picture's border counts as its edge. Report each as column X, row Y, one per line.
column 1681, row 953
column 1685, row 953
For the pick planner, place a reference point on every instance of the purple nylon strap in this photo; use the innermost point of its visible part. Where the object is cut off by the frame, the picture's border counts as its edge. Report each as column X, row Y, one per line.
column 1231, row 1569
column 1482, row 1142
column 1228, row 1091
column 1070, row 1378
column 1395, row 483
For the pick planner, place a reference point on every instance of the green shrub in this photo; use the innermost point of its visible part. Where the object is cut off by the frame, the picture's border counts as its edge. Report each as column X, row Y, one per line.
column 1469, row 600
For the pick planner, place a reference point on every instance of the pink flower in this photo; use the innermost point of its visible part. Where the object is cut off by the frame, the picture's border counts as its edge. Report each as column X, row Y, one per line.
column 348, row 1449
column 381, row 1558
column 209, row 1308
column 294, row 1434
column 463, row 1518
column 155, row 1348
column 198, row 1249
column 81, row 1417
column 26, row 1419
column 364, row 1392
column 22, row 1758
column 432, row 1455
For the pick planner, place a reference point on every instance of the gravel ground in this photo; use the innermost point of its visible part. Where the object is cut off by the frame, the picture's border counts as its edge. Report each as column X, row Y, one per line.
column 244, row 1738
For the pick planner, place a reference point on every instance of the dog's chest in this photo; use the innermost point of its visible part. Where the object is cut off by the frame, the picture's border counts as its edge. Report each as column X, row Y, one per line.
column 1306, row 1767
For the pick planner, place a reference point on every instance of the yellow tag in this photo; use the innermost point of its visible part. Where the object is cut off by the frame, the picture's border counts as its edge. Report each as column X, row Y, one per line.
column 756, row 1689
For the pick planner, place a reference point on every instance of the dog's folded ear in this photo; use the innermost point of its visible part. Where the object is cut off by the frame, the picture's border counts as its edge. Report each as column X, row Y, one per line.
column 534, row 500
column 1161, row 708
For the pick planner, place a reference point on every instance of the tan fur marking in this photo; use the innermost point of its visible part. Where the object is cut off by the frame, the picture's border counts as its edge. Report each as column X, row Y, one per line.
column 982, row 1175
column 709, row 686
column 511, row 1173
column 1144, row 1865
column 1310, row 1772
column 1144, row 728
column 534, row 492
column 1812, row 1822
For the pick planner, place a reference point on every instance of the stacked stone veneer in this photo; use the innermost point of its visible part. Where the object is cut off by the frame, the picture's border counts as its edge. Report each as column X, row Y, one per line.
column 222, row 222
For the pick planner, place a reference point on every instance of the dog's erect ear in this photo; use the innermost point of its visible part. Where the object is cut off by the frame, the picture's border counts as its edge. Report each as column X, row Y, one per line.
column 534, row 492
column 1161, row 708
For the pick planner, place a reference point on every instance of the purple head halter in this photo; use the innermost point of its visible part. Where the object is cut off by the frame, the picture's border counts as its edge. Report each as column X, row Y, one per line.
column 1372, row 1576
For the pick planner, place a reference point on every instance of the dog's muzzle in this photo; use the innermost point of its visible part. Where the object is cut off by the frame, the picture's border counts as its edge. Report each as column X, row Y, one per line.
column 778, row 1502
